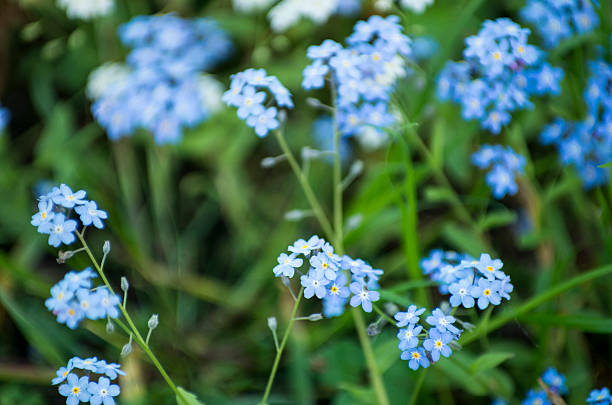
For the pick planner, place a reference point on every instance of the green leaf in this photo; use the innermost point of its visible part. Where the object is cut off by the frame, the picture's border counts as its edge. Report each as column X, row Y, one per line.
column 609, row 164
column 488, row 361
column 497, row 219
column 186, row 398
column 584, row 322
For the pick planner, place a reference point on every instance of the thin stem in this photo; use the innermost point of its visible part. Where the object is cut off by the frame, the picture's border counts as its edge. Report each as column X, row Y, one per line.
column 137, row 335
column 417, row 387
column 338, row 188
column 366, row 346
column 148, row 336
column 279, row 352
column 310, row 195
column 534, row 302
column 383, row 314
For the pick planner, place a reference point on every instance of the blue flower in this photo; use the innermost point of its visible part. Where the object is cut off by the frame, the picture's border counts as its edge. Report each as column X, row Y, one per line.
column 416, row 358
column 287, row 264
column 5, row 116
column 263, row 122
column 326, row 265
column 314, row 75
column 487, row 292
column 74, row 280
column 75, row 389
column 363, row 296
column 44, row 215
column 251, row 102
column 89, row 364
column 600, row 397
column 90, row 214
column 103, row 392
column 536, row 397
column 108, row 303
column 66, row 198
column 437, row 344
column 111, row 370
column 409, row 337
column 60, row 230
column 444, row 323
column 558, row 20
column 60, row 297
column 314, row 284
column 305, row 247
column 333, row 305
column 90, row 304
column 62, row 373
column 461, row 293
column 490, row 268
column 410, row 317
column 338, row 287
column 555, row 381
column 506, row 164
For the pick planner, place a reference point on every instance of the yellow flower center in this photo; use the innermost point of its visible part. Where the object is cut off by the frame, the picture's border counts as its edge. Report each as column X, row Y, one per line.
column 43, row 214
column 490, row 268
column 438, row 344
column 334, row 289
column 416, row 355
column 71, row 312
column 376, row 57
column 75, row 390
column 497, row 55
column 487, row 292
column 324, row 265
column 521, row 49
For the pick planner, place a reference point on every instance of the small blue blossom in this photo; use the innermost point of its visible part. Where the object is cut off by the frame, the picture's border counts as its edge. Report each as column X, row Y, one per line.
column 62, row 374
column 60, row 297
column 362, row 296
column 487, row 292
column 555, row 381
column 90, row 304
column 103, row 392
column 416, row 358
column 111, row 370
column 108, row 303
column 314, row 284
column 71, row 315
column 264, row 122
column 60, row 230
column 506, row 164
column 536, row 397
column 75, row 389
column 67, row 198
column 314, row 75
column 325, row 264
column 444, row 323
column 333, row 305
column 600, row 397
column 305, row 247
column 44, row 215
column 90, row 214
column 461, row 293
column 558, row 20
column 437, row 344
column 338, row 287
column 409, row 337
column 88, row 364
column 5, row 116
column 489, row 267
column 287, row 264
column 410, row 317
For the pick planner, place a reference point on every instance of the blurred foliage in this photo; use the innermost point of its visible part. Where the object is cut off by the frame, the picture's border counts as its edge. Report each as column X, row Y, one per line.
column 197, row 227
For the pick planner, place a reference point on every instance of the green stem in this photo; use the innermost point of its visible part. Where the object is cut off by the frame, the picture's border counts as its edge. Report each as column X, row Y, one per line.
column 137, row 335
column 279, row 352
column 417, row 387
column 310, row 195
column 366, row 346
column 382, row 313
column 339, row 240
column 532, row 303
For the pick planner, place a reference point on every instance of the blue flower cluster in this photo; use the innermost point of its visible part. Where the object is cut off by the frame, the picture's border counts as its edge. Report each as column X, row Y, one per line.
column 163, row 91
column 78, row 389
column 72, row 299
column 334, row 279
column 600, row 397
column 247, row 92
column 505, row 164
column 588, row 143
column 436, row 341
column 555, row 382
column 363, row 74
column 5, row 116
column 54, row 210
column 467, row 280
column 557, row 20
column 500, row 72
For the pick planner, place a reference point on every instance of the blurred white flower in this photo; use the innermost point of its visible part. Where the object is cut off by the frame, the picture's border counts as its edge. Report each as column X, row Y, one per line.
column 250, row 6
column 288, row 12
column 383, row 5
column 87, row 9
column 417, row 6
column 106, row 77
column 212, row 92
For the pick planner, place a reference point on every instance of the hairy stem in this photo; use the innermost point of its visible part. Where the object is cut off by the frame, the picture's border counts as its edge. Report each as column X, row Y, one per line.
column 137, row 336
column 279, row 351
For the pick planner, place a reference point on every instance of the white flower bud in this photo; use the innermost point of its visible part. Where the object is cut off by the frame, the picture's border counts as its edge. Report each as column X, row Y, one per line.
column 106, row 247
column 153, row 321
column 272, row 323
column 126, row 349
column 125, row 285
column 315, row 317
column 110, row 327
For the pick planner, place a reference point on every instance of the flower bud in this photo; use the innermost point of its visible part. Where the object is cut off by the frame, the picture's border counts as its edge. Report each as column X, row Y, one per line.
column 315, row 317
column 268, row 162
column 153, row 321
column 286, row 281
column 391, row 308
column 126, row 349
column 272, row 323
column 125, row 285
column 110, row 327
column 106, row 247
column 63, row 256
column 373, row 329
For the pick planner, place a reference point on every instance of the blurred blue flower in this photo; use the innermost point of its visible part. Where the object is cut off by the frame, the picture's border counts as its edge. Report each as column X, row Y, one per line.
column 501, row 70
column 444, row 323
column 536, row 397
column 506, row 164
column 600, row 397
column 555, row 381
column 557, row 20
column 416, row 358
column 5, row 116
column 410, row 317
